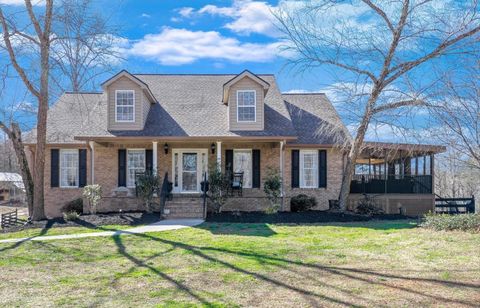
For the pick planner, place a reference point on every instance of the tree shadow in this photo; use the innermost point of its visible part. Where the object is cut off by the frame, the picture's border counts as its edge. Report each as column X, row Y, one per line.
column 254, row 229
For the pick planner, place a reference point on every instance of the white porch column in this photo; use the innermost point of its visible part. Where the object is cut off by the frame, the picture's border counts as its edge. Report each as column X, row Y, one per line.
column 282, row 144
column 219, row 155
column 154, row 157
column 92, row 160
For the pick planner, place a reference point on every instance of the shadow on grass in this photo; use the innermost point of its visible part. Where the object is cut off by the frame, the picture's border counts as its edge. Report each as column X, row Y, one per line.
column 253, row 229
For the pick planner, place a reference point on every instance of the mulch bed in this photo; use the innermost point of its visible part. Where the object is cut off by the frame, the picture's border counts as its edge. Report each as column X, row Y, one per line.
column 92, row 221
column 291, row 217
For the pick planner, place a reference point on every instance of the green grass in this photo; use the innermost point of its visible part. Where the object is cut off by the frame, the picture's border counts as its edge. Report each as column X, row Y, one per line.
column 33, row 232
column 379, row 263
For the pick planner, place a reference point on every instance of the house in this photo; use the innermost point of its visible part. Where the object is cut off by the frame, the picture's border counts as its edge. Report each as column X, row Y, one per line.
column 180, row 125
column 11, row 187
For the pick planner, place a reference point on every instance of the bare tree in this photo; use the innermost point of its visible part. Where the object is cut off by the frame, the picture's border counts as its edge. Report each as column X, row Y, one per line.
column 376, row 43
column 40, row 90
column 456, row 111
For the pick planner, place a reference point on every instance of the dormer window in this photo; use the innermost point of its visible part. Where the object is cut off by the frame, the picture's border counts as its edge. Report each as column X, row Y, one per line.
column 246, row 106
column 125, row 106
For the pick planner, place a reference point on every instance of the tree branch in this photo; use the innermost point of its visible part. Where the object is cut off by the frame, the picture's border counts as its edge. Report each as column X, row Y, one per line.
column 411, row 102
column 380, row 12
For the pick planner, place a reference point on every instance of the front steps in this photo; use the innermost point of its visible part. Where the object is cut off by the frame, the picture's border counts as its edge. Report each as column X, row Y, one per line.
column 184, row 206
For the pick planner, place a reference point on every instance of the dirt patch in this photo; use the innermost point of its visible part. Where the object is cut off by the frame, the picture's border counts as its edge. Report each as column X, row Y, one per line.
column 92, row 221
column 291, row 217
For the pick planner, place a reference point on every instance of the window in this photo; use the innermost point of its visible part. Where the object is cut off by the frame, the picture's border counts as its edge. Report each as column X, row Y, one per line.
column 135, row 163
column 68, row 168
column 242, row 162
column 125, row 106
column 246, row 106
column 308, row 169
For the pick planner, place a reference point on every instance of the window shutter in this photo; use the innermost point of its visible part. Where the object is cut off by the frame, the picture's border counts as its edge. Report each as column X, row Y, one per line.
column 82, row 167
column 295, row 168
column 122, row 168
column 255, row 168
column 322, row 168
column 54, row 167
column 228, row 161
column 149, row 160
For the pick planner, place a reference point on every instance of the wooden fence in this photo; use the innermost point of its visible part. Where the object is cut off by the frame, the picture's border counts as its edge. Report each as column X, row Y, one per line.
column 9, row 219
column 455, row 205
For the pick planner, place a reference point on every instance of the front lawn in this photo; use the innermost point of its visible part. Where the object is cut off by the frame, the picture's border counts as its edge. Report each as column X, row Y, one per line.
column 375, row 263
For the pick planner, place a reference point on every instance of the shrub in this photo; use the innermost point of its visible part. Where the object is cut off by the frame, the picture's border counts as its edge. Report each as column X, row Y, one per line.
column 445, row 222
column 75, row 205
column 71, row 216
column 302, row 202
column 272, row 188
column 147, row 185
column 218, row 183
column 93, row 193
column 367, row 206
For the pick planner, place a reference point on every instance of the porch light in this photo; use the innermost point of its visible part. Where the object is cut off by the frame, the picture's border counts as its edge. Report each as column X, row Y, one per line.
column 165, row 148
column 212, row 147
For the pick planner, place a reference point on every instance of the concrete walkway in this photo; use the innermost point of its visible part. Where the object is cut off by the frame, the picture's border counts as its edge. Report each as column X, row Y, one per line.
column 163, row 225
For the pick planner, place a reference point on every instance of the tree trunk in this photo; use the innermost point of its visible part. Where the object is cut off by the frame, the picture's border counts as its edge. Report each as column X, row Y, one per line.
column 355, row 150
column 15, row 135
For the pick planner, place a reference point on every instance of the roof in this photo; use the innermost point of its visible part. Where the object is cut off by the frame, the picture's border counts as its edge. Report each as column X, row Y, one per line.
column 406, row 147
column 191, row 106
column 10, row 177
column 315, row 119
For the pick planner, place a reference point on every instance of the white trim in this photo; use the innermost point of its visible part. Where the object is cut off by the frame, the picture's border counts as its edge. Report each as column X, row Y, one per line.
column 116, row 106
column 92, row 159
column 60, row 167
column 315, row 179
column 154, row 157
column 126, row 164
column 180, row 151
column 254, row 105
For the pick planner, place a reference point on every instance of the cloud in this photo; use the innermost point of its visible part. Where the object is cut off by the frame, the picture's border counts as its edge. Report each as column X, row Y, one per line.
column 145, row 15
column 181, row 46
column 21, row 2
column 185, row 12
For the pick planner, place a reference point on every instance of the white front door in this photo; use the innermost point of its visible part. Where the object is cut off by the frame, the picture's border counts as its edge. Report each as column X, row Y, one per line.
column 189, row 165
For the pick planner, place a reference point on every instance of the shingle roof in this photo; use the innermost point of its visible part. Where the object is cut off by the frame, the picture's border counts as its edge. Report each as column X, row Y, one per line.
column 191, row 106
column 315, row 119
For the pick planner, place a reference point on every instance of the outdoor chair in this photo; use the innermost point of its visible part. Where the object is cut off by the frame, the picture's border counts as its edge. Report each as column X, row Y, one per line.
column 237, row 183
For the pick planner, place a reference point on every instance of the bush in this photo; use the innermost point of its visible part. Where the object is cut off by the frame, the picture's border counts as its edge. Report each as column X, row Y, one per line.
column 302, row 202
column 93, row 193
column 71, row 216
column 272, row 188
column 218, row 183
column 75, row 205
column 147, row 185
column 445, row 222
column 368, row 207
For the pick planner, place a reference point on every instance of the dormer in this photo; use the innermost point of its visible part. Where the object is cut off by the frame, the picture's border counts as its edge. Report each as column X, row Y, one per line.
column 245, row 96
column 129, row 100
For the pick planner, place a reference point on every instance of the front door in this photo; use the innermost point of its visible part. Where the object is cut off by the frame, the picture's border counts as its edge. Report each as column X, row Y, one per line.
column 189, row 165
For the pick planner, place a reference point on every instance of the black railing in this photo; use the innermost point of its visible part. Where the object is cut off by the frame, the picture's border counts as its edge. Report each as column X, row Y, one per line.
column 455, row 205
column 394, row 184
column 164, row 193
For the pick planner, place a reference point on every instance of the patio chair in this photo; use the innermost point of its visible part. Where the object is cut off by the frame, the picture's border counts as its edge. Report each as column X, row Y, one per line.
column 237, row 183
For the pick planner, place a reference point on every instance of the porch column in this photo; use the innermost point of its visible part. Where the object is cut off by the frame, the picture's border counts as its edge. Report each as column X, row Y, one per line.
column 432, row 171
column 219, row 155
column 154, row 157
column 92, row 160
column 282, row 144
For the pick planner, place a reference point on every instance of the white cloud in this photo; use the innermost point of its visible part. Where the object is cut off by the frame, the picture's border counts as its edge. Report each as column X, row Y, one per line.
column 145, row 15
column 181, row 46
column 185, row 11
column 248, row 17
column 21, row 2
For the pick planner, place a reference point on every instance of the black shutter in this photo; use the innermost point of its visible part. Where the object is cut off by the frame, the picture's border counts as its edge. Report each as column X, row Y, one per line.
column 228, row 161
column 295, row 168
column 322, row 168
column 255, row 168
column 149, row 160
column 122, row 168
column 82, row 167
column 54, row 167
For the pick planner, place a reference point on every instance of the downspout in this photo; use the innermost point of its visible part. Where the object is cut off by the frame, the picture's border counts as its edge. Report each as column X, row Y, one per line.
column 282, row 145
column 92, row 161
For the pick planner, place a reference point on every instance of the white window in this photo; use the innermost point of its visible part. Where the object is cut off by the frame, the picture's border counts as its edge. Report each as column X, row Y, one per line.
column 242, row 162
column 246, row 106
column 308, row 169
column 125, row 106
column 135, row 164
column 68, row 168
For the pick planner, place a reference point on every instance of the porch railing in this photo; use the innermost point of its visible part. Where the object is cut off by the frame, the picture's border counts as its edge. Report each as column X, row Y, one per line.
column 394, row 184
column 455, row 205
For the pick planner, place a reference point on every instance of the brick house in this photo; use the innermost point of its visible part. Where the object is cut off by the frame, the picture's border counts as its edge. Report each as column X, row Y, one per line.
column 180, row 125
